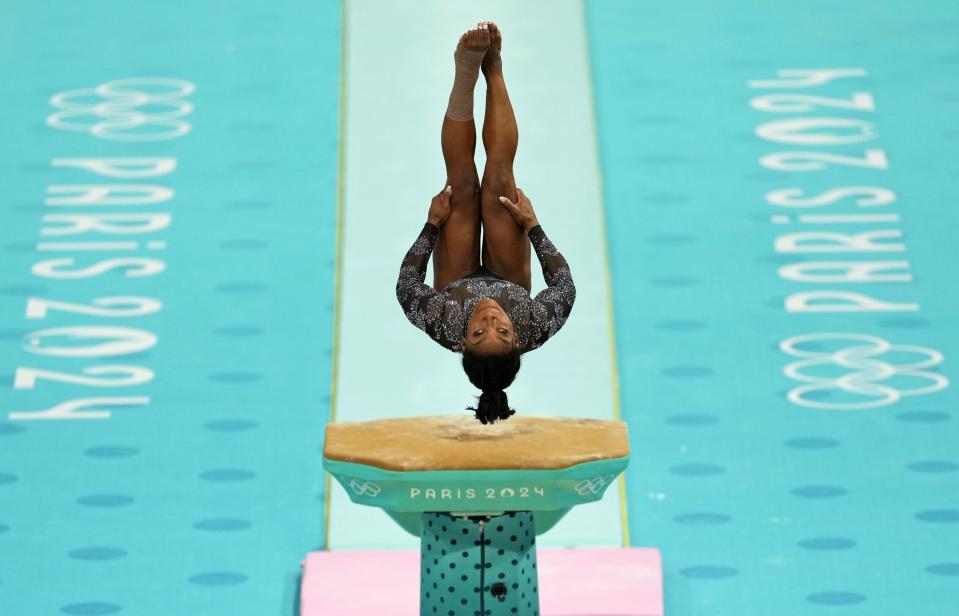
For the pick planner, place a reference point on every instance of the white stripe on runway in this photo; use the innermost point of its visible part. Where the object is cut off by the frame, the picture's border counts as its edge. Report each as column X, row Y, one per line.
column 399, row 71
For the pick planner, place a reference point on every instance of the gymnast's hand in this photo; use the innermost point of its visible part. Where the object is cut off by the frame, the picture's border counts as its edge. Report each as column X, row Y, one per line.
column 522, row 210
column 440, row 208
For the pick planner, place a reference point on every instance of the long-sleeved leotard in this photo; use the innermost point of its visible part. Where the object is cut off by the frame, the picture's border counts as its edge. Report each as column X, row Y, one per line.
column 443, row 314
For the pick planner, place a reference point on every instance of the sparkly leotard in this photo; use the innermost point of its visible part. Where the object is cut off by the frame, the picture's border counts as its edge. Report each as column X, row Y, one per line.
column 443, row 314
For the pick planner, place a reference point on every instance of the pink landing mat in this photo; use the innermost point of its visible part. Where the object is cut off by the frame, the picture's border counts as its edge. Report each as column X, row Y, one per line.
column 572, row 582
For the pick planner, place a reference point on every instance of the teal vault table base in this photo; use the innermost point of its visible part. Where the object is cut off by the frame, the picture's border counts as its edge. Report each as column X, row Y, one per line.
column 477, row 496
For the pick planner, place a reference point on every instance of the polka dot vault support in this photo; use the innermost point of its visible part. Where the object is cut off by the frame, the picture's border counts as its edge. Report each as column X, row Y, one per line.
column 478, row 565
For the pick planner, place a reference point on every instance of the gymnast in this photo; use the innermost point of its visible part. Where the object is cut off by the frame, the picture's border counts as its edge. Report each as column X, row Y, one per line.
column 480, row 304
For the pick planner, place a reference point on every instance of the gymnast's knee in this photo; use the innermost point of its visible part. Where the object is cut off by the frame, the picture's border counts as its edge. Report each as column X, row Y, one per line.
column 498, row 180
column 465, row 183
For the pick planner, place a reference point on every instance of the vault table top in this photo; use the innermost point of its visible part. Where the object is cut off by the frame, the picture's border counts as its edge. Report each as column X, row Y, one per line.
column 460, row 442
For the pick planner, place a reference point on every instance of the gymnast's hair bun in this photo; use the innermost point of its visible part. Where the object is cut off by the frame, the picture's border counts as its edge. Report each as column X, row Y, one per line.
column 492, row 405
column 492, row 374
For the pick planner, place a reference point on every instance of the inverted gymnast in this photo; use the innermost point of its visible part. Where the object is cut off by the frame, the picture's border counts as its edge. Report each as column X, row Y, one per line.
column 480, row 304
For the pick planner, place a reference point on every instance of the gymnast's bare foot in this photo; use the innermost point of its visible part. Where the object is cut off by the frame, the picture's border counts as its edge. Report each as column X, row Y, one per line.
column 492, row 61
column 467, row 59
column 476, row 40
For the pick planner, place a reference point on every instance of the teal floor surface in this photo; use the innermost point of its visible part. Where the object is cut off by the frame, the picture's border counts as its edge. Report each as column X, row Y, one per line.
column 763, row 505
column 203, row 497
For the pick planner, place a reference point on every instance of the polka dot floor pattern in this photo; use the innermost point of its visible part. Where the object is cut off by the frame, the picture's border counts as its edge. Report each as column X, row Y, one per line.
column 173, row 467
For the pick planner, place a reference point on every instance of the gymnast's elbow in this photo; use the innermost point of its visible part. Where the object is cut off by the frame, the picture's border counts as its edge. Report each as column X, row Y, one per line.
column 571, row 293
column 402, row 293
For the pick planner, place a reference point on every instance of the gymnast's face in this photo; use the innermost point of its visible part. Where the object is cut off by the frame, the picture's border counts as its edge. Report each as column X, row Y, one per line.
column 490, row 330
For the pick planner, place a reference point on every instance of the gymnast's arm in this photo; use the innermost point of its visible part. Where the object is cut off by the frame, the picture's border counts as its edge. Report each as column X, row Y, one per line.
column 552, row 305
column 412, row 292
column 423, row 306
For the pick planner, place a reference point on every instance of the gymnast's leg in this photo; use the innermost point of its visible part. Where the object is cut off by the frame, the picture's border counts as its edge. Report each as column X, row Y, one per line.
column 506, row 248
column 457, row 251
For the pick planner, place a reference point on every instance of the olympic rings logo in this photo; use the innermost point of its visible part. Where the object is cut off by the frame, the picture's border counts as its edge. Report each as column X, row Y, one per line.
column 593, row 486
column 135, row 109
column 866, row 371
column 363, row 488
